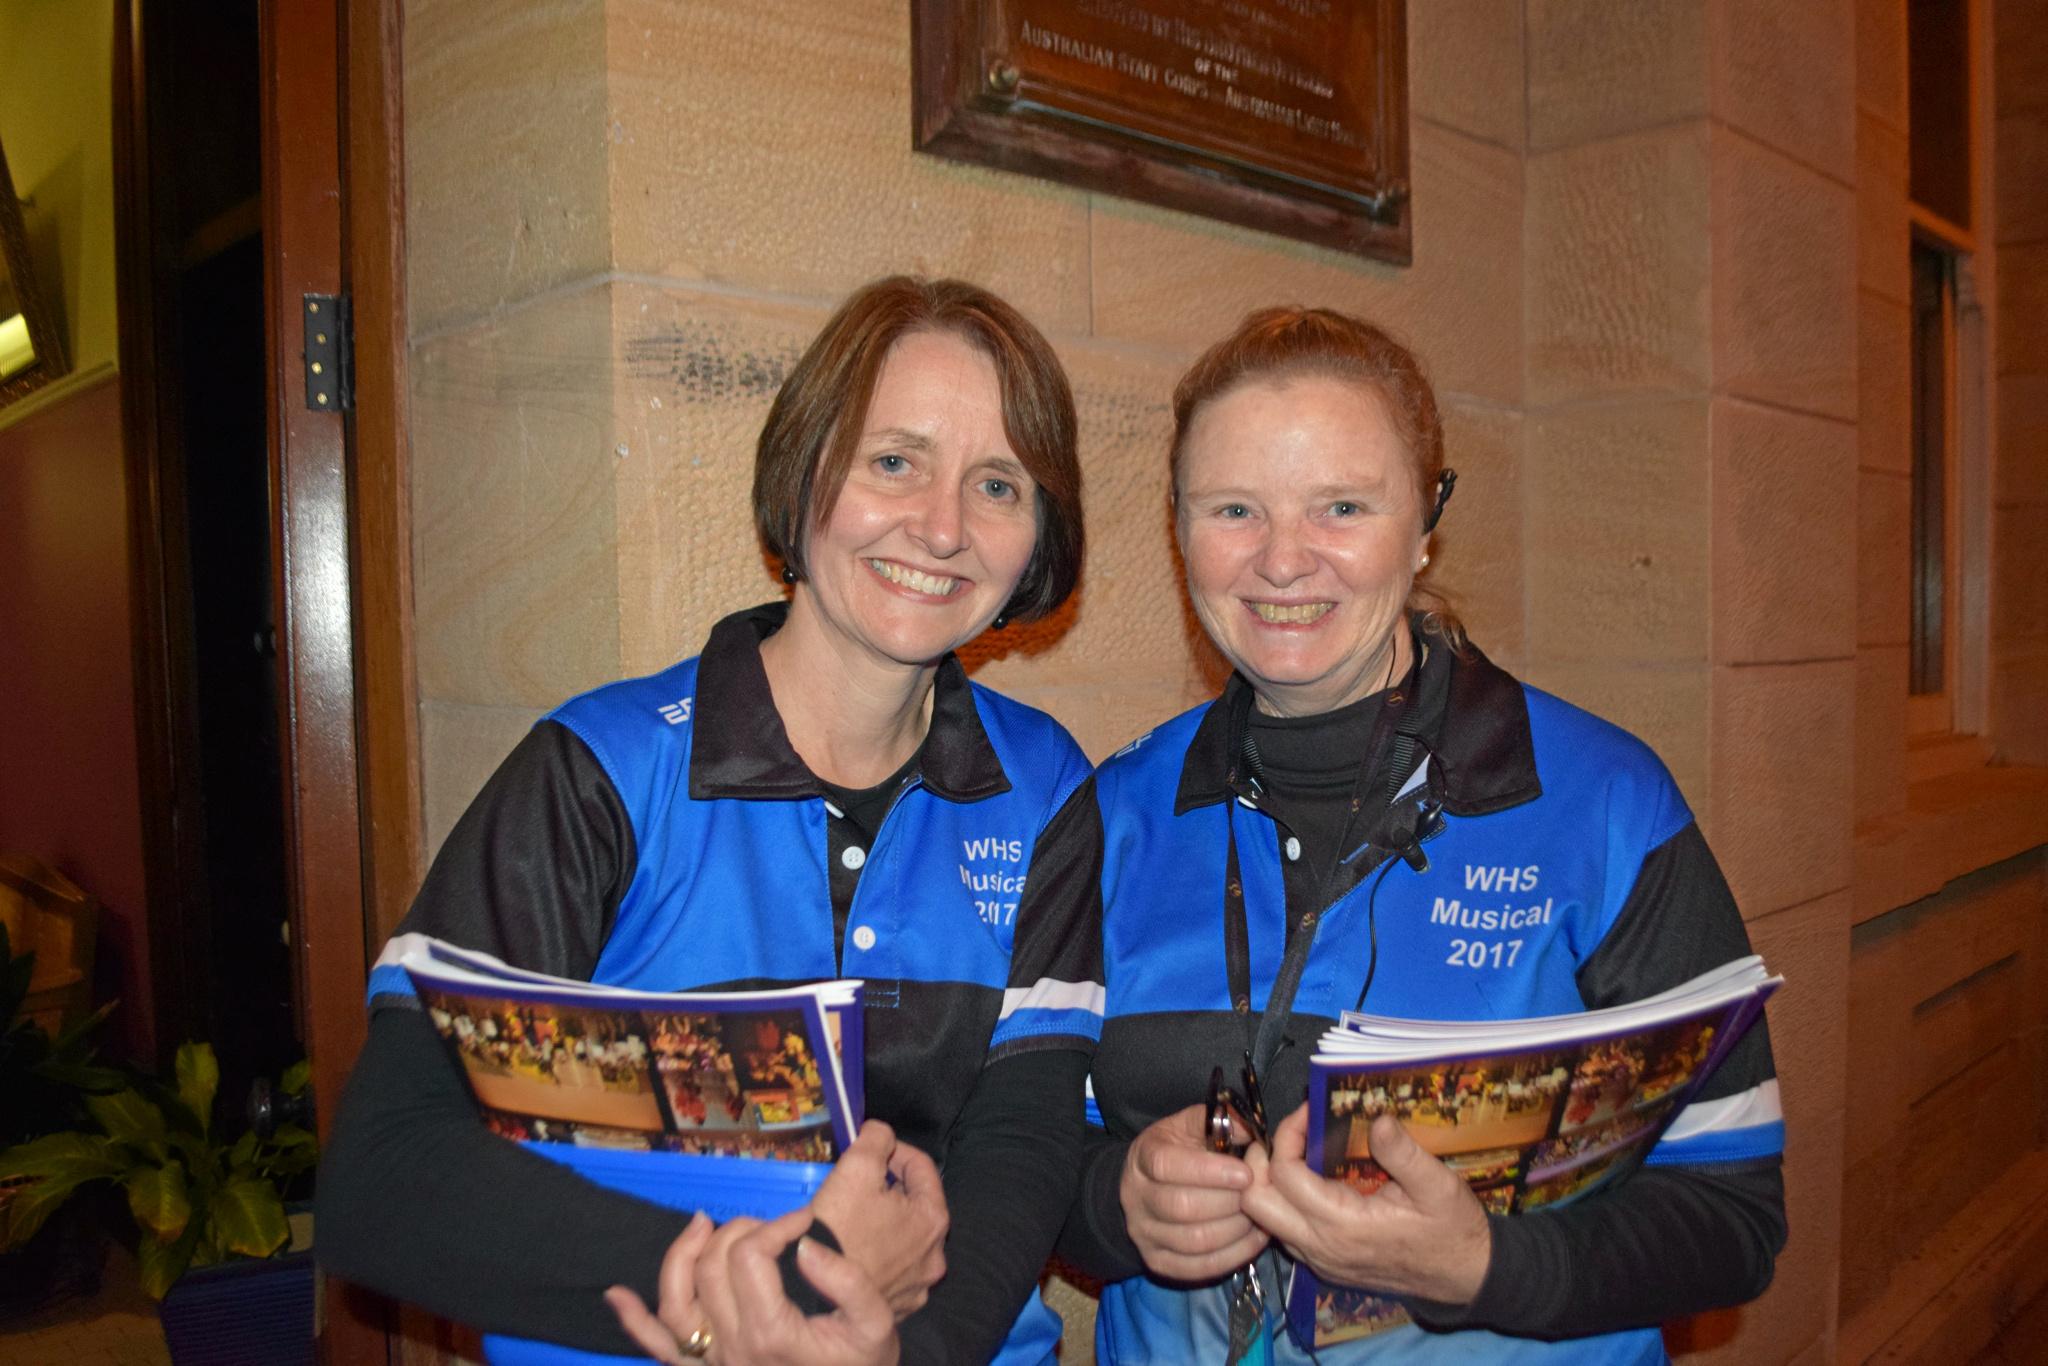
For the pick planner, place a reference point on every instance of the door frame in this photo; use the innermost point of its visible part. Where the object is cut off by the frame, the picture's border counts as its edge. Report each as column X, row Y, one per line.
column 333, row 196
column 387, row 681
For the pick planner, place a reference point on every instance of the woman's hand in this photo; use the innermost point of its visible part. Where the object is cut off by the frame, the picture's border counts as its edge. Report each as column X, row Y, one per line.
column 661, row 1335
column 752, row 1321
column 885, row 1204
column 1421, row 1234
column 1183, row 1205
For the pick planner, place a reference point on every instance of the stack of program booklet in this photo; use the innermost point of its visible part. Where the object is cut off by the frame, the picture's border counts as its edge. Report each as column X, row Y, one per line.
column 1533, row 1113
column 731, row 1102
column 736, row 1102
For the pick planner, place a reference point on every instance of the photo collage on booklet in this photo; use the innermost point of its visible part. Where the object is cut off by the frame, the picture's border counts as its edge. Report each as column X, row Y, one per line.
column 1527, row 1130
column 743, row 1082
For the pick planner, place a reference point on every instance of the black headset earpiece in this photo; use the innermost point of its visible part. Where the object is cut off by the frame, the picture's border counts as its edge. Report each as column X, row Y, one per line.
column 1445, row 482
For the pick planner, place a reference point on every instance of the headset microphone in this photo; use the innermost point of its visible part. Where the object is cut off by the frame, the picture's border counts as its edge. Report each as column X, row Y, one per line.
column 1445, row 482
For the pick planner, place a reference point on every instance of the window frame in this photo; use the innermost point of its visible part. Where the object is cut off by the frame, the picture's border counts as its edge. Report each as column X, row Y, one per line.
column 1961, row 706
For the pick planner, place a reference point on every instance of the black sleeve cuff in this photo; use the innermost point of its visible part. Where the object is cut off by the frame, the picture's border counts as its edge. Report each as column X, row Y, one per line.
column 801, row 1292
column 1095, row 1239
column 1663, row 1243
column 1514, row 1291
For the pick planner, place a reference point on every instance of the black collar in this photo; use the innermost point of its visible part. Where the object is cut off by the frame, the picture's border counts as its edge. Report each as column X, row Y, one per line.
column 1484, row 759
column 740, row 748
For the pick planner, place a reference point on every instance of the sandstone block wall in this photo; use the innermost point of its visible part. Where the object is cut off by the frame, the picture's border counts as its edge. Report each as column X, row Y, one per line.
column 1690, row 554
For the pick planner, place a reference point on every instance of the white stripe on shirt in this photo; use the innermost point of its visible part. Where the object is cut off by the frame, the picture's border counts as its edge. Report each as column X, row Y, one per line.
column 398, row 946
column 1049, row 994
column 1743, row 1110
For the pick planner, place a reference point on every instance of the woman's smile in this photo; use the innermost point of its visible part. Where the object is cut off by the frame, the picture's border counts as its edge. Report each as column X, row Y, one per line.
column 1294, row 614
column 917, row 581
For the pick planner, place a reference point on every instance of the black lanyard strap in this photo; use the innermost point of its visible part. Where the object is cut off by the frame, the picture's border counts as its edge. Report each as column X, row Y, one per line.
column 1265, row 1033
column 1237, row 949
column 1263, row 1030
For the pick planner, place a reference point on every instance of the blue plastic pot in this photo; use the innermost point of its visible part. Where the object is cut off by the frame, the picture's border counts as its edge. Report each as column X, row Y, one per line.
column 242, row 1313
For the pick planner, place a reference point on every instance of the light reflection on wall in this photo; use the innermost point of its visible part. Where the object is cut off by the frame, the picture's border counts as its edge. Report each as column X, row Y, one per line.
column 17, row 353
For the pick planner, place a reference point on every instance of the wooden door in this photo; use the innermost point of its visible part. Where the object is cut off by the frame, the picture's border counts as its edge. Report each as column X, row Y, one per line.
column 331, row 211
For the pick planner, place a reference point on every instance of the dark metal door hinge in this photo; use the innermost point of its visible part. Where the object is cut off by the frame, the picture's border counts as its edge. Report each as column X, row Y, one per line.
column 330, row 353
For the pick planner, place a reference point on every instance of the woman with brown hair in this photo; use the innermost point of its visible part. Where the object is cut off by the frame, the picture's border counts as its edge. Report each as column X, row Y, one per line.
column 1315, row 840
column 817, row 795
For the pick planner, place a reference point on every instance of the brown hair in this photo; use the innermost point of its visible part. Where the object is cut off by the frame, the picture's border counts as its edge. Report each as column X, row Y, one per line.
column 1273, row 345
column 807, row 444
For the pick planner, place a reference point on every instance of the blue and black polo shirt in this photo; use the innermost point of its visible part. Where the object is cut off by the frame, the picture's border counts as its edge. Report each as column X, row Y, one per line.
column 661, row 834
column 1568, row 874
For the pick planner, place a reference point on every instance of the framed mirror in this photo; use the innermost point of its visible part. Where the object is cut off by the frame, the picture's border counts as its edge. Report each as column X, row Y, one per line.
column 31, row 342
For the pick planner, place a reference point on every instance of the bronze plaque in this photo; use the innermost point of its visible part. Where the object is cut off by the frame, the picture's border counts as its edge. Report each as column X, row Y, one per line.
column 1288, row 115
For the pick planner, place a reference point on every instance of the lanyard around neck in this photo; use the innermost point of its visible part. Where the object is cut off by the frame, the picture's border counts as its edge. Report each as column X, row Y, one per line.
column 1265, row 1032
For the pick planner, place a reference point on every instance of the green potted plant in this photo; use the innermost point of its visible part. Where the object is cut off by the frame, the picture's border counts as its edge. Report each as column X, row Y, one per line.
column 197, row 1200
column 44, row 1082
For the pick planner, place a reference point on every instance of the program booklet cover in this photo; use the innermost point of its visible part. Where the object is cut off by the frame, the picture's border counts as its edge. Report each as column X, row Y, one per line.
column 1532, row 1113
column 756, row 1074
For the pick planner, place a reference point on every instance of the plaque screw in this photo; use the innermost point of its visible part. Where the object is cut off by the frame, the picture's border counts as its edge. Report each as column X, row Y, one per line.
column 1003, row 77
column 1389, row 193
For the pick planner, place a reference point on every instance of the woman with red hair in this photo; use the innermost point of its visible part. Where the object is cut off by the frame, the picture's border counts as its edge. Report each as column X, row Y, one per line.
column 1316, row 840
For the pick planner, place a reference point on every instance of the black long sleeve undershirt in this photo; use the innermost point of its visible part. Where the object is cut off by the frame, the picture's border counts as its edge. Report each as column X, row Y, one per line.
column 1009, row 1177
column 1094, row 1239
column 1664, row 1243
